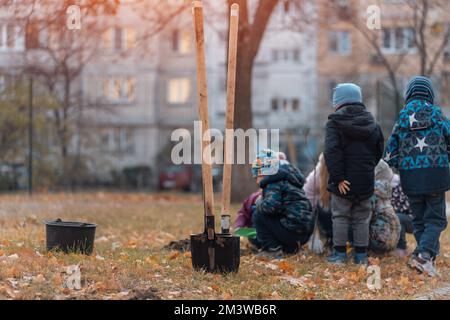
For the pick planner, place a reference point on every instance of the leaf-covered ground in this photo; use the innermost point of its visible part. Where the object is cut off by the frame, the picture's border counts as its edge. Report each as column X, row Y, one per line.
column 130, row 262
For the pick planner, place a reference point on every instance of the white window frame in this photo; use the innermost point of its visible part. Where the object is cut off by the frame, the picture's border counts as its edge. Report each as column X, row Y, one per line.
column 120, row 140
column 127, row 95
column 340, row 35
column 18, row 38
column 183, row 41
column 127, row 33
column 393, row 49
column 183, row 88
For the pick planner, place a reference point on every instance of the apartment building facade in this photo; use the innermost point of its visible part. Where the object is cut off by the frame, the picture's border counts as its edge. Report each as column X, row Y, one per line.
column 348, row 53
column 136, row 94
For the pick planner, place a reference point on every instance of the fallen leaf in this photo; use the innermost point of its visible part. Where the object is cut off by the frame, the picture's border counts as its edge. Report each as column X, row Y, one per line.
column 403, row 281
column 286, row 266
column 215, row 287
column 39, row 278
column 362, row 271
column 350, row 296
column 227, row 296
column 310, row 295
column 174, row 255
column 6, row 243
column 353, row 277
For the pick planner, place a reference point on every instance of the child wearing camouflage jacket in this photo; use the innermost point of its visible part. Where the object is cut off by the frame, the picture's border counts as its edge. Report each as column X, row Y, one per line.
column 283, row 216
column 384, row 231
column 419, row 148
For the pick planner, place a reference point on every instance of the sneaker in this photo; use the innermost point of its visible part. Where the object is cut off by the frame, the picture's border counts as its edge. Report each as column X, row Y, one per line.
column 423, row 263
column 400, row 253
column 271, row 253
column 361, row 258
column 337, row 257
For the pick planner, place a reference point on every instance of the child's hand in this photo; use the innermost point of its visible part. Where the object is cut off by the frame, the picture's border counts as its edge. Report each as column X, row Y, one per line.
column 344, row 187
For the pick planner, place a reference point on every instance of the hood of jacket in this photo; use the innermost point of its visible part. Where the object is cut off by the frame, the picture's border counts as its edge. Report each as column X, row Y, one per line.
column 354, row 121
column 286, row 172
column 418, row 115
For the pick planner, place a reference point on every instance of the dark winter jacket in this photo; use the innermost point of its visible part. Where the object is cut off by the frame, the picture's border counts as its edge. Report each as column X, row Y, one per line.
column 419, row 148
column 283, row 197
column 353, row 146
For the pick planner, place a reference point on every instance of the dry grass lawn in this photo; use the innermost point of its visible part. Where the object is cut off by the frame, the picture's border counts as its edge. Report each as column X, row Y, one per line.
column 130, row 262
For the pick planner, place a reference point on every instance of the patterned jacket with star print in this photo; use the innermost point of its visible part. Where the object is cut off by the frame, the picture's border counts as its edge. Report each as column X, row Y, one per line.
column 419, row 148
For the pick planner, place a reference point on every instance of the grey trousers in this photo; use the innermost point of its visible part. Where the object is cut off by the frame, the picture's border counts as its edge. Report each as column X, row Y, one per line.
column 350, row 215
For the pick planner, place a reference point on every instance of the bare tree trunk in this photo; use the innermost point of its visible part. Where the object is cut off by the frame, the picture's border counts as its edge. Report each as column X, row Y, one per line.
column 243, row 183
column 249, row 40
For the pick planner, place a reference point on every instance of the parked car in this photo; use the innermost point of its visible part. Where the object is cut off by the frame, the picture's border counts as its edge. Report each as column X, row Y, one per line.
column 177, row 177
column 187, row 178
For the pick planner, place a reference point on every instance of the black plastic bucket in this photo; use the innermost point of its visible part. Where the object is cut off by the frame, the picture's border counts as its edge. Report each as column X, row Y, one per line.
column 70, row 236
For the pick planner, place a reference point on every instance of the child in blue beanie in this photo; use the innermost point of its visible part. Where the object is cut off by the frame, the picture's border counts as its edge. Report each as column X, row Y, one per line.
column 419, row 148
column 353, row 148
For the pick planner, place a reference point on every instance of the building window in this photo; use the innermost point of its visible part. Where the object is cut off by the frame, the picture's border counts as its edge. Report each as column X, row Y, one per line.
column 11, row 38
column 119, row 38
column 397, row 40
column 119, row 89
column 285, row 104
column 178, row 90
column 295, row 104
column 181, row 41
column 296, row 55
column 274, row 55
column 274, row 104
column 340, row 42
column 118, row 140
column 286, row 55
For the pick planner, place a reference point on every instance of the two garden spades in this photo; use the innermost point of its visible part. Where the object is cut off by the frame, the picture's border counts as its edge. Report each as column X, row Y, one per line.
column 211, row 251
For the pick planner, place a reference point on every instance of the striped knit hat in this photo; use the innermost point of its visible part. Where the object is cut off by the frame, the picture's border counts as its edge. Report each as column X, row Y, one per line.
column 420, row 88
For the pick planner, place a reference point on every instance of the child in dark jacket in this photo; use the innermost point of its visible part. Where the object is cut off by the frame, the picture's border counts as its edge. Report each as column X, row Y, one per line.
column 419, row 148
column 283, row 218
column 353, row 147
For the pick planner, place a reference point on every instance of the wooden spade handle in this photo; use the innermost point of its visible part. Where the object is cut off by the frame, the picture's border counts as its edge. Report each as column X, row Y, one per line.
column 231, row 88
column 208, row 196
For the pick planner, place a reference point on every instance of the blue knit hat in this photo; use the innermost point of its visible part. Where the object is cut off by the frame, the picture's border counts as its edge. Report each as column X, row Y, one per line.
column 420, row 88
column 346, row 93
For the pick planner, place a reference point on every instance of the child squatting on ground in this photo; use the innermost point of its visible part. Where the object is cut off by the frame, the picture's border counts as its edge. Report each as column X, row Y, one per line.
column 353, row 147
column 419, row 148
column 386, row 230
column 283, row 216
